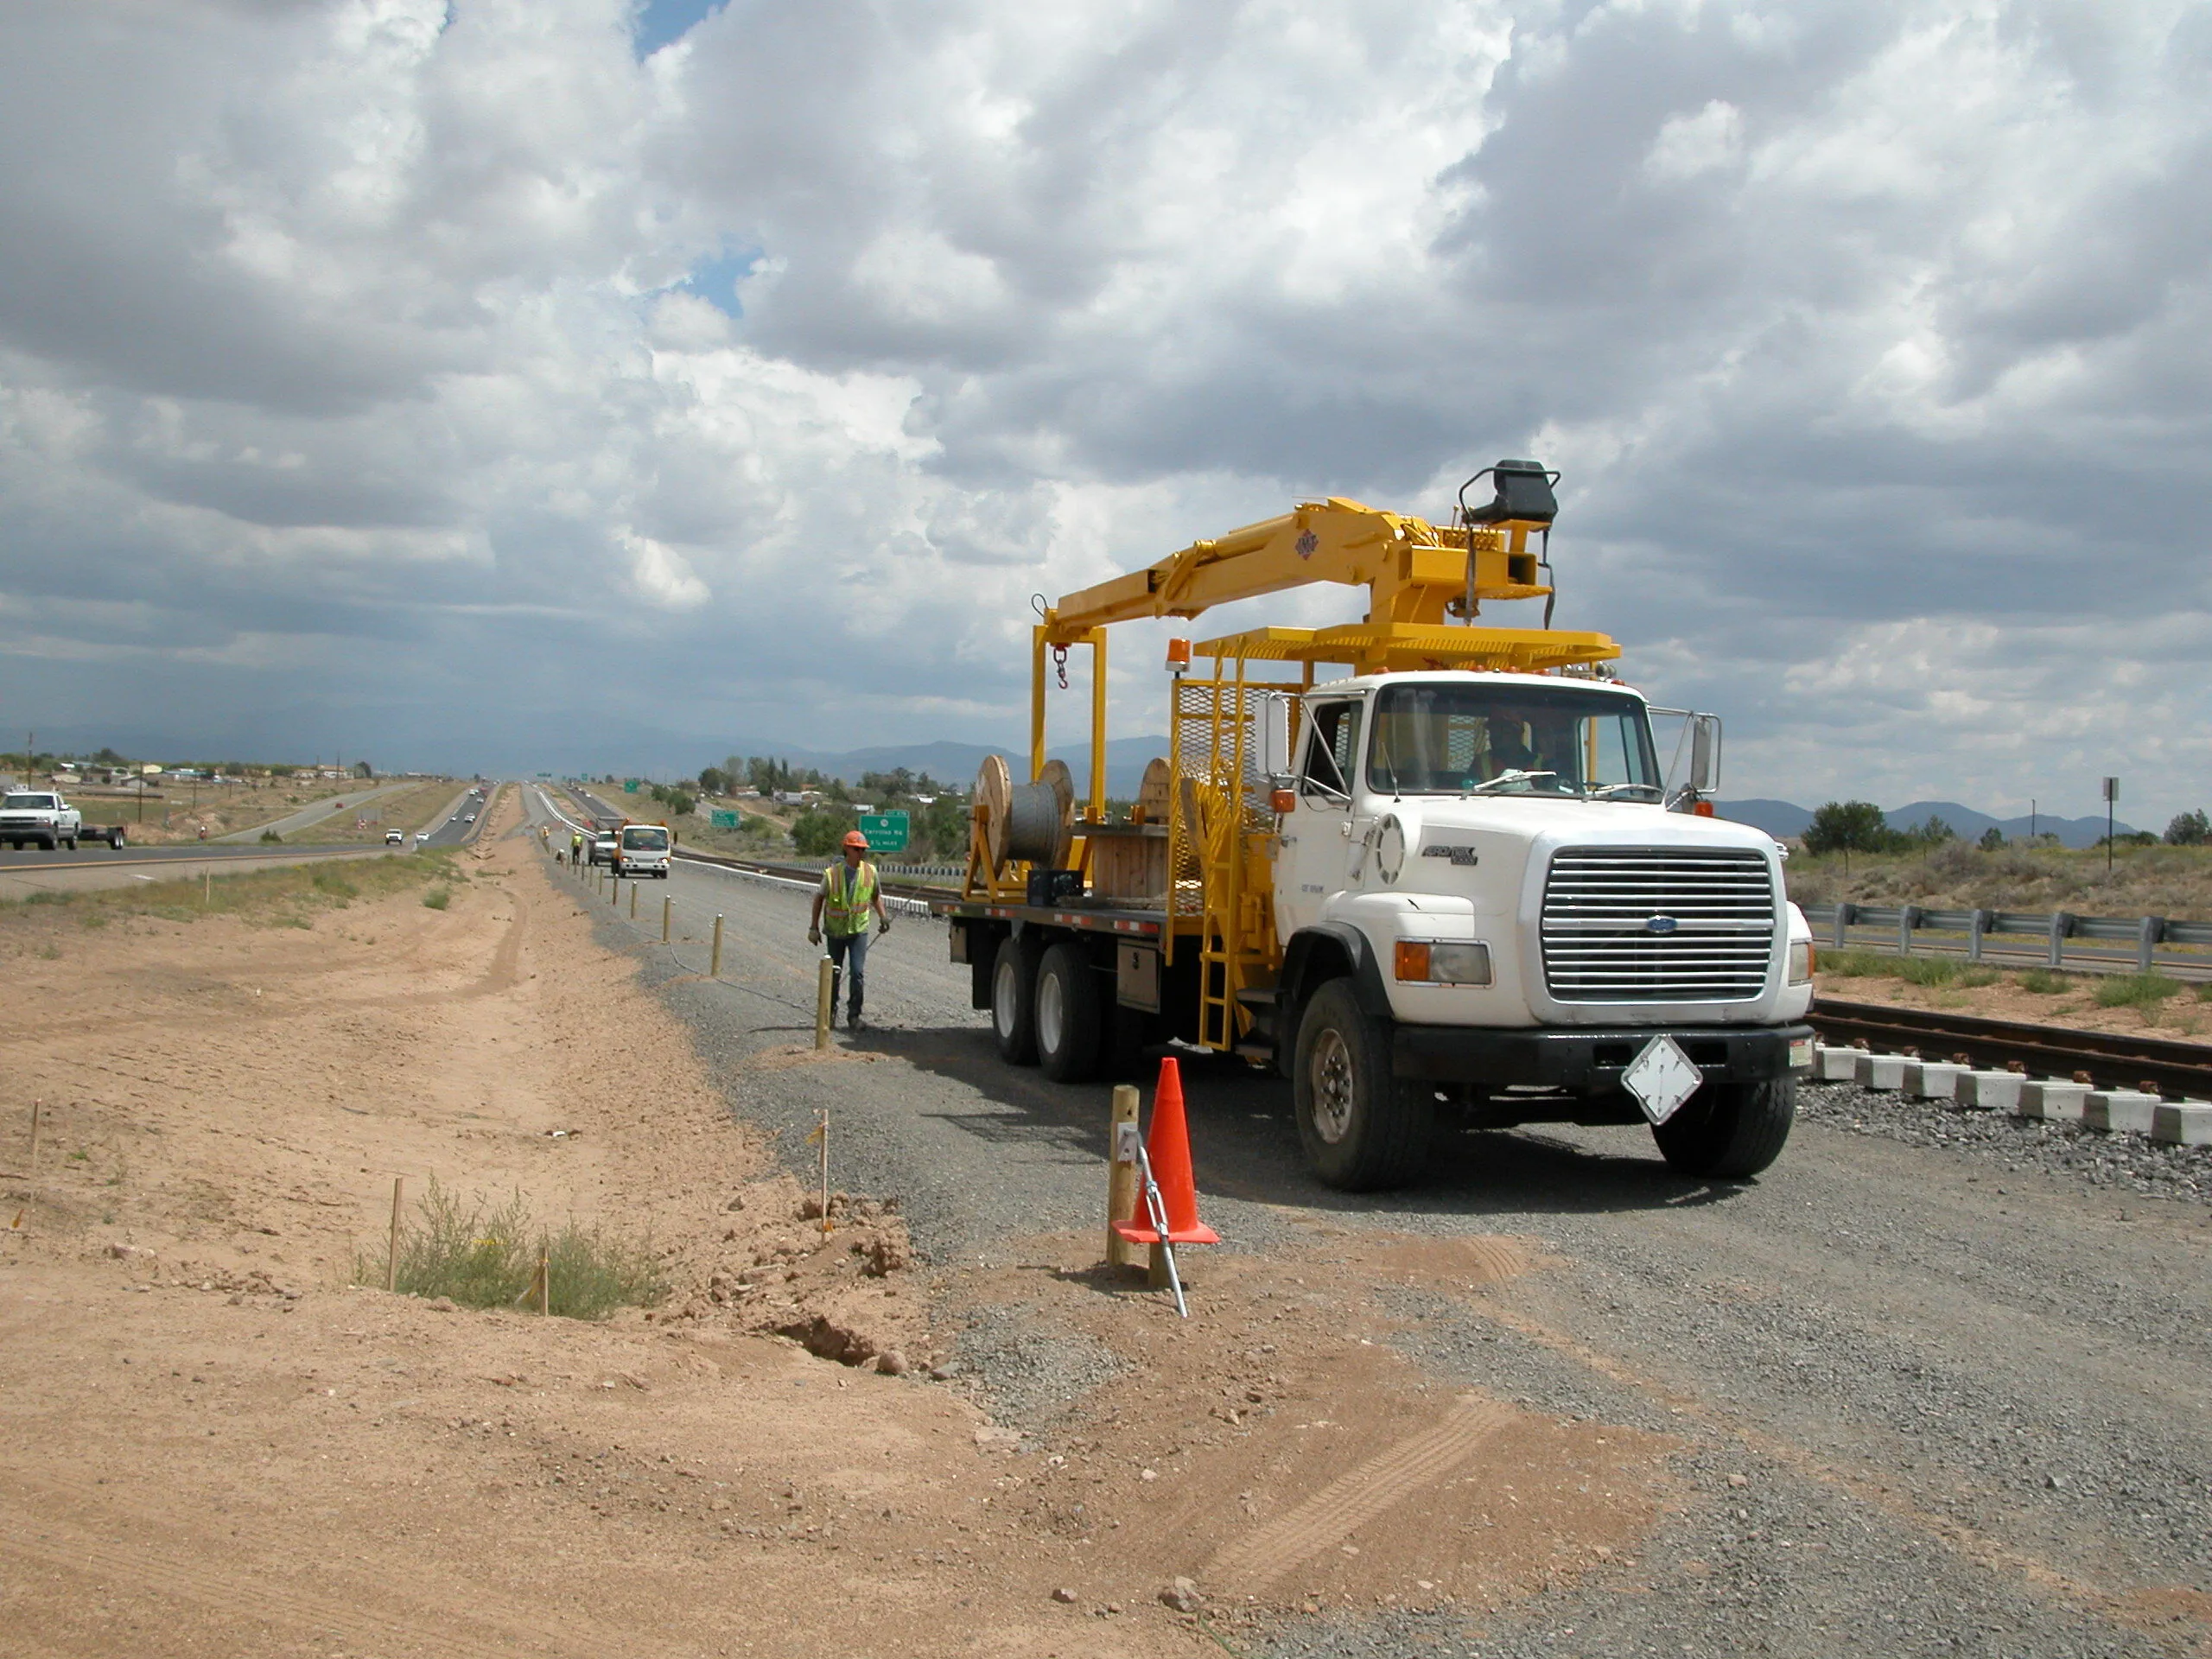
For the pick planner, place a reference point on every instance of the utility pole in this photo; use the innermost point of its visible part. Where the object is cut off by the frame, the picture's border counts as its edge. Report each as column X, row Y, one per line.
column 2032, row 820
column 2112, row 795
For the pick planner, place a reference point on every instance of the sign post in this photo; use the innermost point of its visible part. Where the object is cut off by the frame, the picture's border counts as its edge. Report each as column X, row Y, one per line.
column 2112, row 795
column 886, row 832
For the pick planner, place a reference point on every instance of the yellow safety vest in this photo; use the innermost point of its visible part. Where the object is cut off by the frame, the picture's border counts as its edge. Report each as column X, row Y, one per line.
column 846, row 900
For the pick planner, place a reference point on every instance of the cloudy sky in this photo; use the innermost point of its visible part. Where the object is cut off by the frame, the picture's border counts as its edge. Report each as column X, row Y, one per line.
column 585, row 382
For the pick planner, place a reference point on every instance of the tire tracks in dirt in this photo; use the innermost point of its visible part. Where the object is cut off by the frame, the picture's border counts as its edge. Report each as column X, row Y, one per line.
column 1360, row 1495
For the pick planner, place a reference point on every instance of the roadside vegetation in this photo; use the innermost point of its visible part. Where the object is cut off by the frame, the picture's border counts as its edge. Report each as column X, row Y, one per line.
column 1944, row 873
column 483, row 1254
column 283, row 898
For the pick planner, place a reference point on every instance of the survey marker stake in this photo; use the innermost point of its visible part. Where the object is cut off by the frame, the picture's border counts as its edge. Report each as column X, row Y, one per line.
column 821, row 1138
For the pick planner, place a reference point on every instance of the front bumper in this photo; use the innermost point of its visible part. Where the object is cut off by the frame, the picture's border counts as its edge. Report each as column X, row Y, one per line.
column 1587, row 1061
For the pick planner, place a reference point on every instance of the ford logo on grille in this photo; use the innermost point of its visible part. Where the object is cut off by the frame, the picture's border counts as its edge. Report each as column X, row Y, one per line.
column 1660, row 924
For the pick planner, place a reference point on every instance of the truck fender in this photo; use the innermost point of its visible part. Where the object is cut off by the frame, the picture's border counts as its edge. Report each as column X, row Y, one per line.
column 1324, row 951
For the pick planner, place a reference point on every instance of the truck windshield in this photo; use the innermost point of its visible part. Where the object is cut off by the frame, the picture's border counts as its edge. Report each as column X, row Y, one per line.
column 29, row 802
column 1453, row 738
column 644, row 840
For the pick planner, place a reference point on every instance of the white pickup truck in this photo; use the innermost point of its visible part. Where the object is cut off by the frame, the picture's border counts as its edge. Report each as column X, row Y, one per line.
column 41, row 817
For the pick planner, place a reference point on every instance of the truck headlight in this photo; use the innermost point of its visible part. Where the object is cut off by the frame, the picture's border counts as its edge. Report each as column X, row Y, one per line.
column 1800, row 962
column 1424, row 963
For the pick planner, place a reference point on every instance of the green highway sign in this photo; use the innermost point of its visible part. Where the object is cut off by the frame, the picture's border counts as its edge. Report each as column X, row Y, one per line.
column 722, row 818
column 629, row 785
column 886, row 831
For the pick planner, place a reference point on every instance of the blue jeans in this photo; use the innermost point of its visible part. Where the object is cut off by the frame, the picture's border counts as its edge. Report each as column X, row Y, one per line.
column 842, row 945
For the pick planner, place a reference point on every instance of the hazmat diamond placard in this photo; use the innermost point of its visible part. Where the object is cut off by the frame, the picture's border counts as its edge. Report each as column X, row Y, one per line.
column 1661, row 1079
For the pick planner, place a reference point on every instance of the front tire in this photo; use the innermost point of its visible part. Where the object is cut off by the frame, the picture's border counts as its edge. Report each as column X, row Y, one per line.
column 1729, row 1132
column 1013, row 1001
column 1069, row 1017
column 1360, row 1127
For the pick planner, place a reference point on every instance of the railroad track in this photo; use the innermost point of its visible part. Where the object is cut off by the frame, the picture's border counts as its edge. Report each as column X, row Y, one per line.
column 2110, row 1060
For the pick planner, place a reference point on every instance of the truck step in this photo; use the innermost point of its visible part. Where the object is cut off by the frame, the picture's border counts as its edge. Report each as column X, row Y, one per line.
column 1257, row 996
column 1258, row 1053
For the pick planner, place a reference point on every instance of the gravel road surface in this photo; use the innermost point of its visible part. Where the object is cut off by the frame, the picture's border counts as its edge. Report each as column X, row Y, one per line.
column 1925, row 1395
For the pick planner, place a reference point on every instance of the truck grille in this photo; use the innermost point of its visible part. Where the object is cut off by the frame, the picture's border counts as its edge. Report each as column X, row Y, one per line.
column 1598, row 942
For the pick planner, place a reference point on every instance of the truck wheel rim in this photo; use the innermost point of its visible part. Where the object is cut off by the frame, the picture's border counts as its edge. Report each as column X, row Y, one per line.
column 1051, row 1013
column 1002, row 994
column 1334, row 1094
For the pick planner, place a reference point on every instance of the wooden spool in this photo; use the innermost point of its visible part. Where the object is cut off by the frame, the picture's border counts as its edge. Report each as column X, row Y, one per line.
column 994, row 794
column 1060, row 781
column 1151, row 793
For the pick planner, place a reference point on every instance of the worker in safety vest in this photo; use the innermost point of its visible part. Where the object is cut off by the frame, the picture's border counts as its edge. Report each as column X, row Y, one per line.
column 576, row 846
column 848, row 894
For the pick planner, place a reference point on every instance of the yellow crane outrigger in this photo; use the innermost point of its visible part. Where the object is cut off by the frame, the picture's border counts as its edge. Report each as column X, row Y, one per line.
column 1426, row 587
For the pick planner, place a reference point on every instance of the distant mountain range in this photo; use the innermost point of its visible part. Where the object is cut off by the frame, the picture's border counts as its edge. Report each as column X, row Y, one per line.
column 1786, row 820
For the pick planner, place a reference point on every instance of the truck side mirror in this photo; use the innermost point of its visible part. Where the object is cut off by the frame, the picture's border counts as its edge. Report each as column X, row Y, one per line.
column 1274, row 720
column 1705, row 753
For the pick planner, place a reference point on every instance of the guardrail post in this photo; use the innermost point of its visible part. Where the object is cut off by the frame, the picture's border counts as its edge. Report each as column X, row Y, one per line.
column 633, row 901
column 1842, row 921
column 1975, row 929
column 2152, row 927
column 2061, row 924
column 615, row 892
column 666, row 905
column 714, row 960
column 1906, row 915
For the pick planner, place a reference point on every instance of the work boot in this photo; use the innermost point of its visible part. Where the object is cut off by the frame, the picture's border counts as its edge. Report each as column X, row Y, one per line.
column 852, row 1013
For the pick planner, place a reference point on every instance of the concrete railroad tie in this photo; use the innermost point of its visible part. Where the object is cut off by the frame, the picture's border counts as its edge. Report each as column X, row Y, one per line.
column 2050, row 1100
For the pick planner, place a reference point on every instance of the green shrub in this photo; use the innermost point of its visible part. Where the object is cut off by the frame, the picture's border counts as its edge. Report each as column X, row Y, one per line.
column 1973, row 978
column 2135, row 991
column 437, row 899
column 1927, row 970
column 271, row 835
column 2045, row 982
column 482, row 1256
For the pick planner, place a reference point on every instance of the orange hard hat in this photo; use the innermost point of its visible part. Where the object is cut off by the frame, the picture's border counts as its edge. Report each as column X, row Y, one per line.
column 854, row 838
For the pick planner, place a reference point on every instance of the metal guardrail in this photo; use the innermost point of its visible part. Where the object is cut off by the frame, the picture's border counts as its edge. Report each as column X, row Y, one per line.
column 2145, row 933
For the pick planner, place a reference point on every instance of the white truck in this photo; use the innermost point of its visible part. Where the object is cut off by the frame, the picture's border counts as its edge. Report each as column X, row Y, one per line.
column 41, row 817
column 1453, row 888
column 640, row 850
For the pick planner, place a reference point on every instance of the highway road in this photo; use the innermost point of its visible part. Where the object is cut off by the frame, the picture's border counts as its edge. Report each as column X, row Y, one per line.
column 1918, row 1398
column 452, row 827
column 320, row 811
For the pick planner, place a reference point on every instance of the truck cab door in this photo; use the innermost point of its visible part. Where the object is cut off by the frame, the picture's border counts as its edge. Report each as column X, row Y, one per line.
column 1317, row 837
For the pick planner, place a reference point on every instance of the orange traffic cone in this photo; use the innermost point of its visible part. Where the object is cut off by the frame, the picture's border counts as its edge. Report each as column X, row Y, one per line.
column 1168, row 1149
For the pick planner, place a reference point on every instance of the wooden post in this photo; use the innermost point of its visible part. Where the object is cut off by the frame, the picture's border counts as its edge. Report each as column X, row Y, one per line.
column 544, row 1281
column 1121, row 1176
column 391, row 1258
column 714, row 958
column 667, row 906
column 31, row 1168
column 1155, row 1269
column 633, row 901
column 825, row 981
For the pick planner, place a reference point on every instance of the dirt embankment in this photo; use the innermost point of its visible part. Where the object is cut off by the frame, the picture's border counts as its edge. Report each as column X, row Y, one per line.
column 217, row 1445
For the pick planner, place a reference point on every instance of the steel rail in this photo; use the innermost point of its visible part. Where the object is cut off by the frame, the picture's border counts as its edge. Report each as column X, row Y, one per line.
column 2110, row 1060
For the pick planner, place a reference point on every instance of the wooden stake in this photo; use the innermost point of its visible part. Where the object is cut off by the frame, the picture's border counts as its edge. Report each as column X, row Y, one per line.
column 544, row 1281
column 633, row 901
column 391, row 1259
column 1122, row 1179
column 824, row 1133
column 825, row 992
column 667, row 906
column 31, row 1168
column 714, row 960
